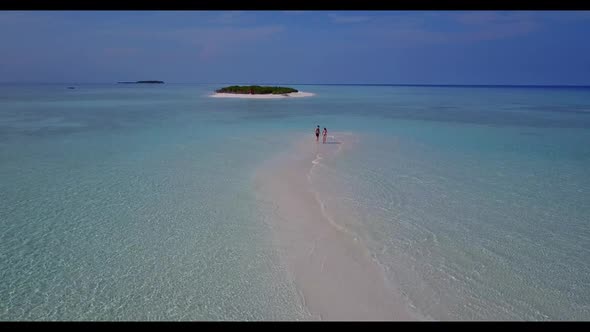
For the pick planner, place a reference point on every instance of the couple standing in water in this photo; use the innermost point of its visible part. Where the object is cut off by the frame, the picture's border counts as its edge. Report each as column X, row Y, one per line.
column 317, row 134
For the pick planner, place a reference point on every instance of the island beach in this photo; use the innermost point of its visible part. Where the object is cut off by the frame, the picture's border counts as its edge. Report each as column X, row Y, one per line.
column 265, row 96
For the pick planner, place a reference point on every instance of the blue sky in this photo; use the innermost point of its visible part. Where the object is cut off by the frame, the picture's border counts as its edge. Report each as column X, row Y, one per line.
column 381, row 47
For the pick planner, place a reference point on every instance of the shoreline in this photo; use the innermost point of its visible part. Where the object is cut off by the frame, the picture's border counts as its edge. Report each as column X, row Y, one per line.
column 334, row 273
column 299, row 94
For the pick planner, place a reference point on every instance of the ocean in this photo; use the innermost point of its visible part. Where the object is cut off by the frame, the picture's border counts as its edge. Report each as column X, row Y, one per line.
column 138, row 202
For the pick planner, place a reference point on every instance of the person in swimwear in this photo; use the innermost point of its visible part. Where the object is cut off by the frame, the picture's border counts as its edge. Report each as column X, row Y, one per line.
column 325, row 135
column 317, row 134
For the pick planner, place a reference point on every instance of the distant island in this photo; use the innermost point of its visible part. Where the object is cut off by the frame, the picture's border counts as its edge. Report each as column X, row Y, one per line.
column 257, row 90
column 139, row 82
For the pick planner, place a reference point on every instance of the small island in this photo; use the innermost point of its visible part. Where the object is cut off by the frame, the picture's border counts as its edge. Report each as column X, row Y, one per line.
column 258, row 92
column 141, row 82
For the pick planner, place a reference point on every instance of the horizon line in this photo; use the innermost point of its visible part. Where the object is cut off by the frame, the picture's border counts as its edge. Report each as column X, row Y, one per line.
column 341, row 84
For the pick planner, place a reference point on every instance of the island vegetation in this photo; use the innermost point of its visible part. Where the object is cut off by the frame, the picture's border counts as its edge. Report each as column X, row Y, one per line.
column 139, row 82
column 256, row 90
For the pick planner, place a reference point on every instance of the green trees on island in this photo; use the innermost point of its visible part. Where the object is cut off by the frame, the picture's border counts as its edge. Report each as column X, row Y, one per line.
column 140, row 82
column 256, row 90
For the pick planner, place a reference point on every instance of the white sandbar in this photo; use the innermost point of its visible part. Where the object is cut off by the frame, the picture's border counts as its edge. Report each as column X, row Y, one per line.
column 335, row 275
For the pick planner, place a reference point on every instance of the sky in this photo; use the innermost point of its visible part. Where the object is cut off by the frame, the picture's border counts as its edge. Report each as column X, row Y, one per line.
column 328, row 47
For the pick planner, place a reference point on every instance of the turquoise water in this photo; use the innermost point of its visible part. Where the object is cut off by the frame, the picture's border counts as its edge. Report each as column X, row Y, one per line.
column 137, row 202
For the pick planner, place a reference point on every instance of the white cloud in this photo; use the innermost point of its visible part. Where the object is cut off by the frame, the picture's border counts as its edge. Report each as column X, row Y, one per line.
column 120, row 51
column 212, row 41
column 487, row 25
column 338, row 18
column 229, row 17
column 493, row 17
column 400, row 32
